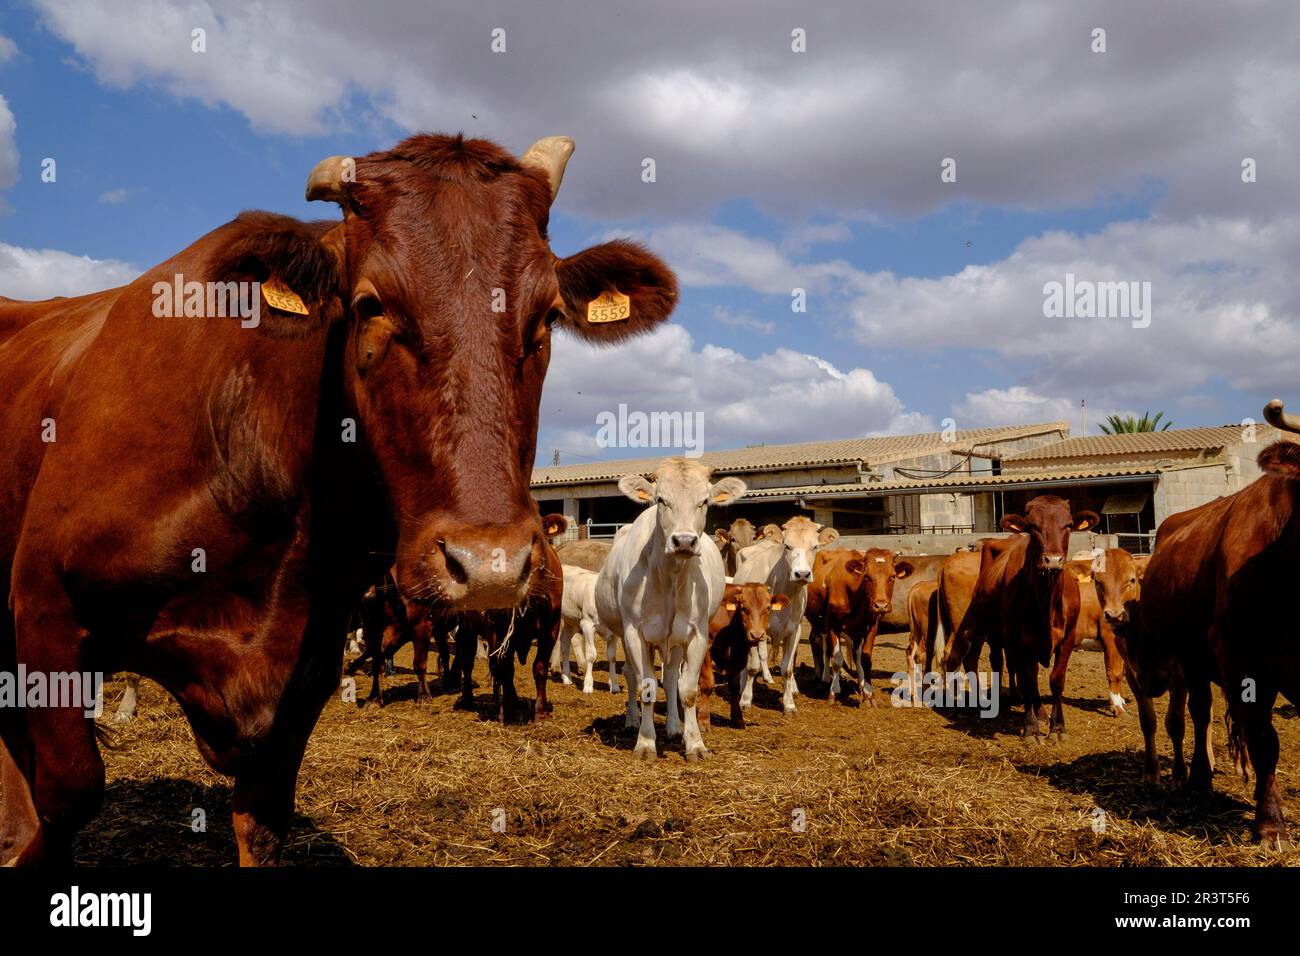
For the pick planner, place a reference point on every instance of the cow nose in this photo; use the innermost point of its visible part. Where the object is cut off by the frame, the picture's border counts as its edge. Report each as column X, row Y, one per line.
column 803, row 575
column 684, row 542
column 1117, row 617
column 1053, row 562
column 880, row 606
column 476, row 568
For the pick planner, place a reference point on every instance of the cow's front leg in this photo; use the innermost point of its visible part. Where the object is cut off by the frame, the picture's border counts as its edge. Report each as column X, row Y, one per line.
column 1114, row 669
column 63, row 770
column 1147, row 720
column 1056, row 681
column 789, row 687
column 672, row 679
column 647, row 692
column 697, row 648
column 834, row 664
column 420, row 663
column 865, row 653
column 752, row 667
column 762, row 663
column 1027, row 675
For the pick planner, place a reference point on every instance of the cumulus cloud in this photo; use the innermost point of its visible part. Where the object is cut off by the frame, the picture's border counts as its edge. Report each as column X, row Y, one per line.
column 8, row 147
column 781, row 396
column 859, row 122
column 42, row 273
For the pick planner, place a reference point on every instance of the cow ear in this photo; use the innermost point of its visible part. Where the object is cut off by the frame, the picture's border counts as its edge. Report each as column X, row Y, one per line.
column 853, row 567
column 780, row 602
column 725, row 491
column 286, row 255
column 721, row 537
column 637, row 488
column 1085, row 520
column 614, row 291
column 902, row 570
column 1013, row 523
column 553, row 525
column 773, row 532
column 1281, row 458
column 827, row 536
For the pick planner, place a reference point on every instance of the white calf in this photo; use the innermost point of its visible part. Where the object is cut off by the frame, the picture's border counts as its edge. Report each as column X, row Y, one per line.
column 578, row 616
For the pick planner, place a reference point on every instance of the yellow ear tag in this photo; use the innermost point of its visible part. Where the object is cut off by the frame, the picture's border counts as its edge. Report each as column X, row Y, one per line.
column 280, row 296
column 1084, row 578
column 609, row 307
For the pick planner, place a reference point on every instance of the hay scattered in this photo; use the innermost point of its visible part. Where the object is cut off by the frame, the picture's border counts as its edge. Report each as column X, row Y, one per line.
column 422, row 784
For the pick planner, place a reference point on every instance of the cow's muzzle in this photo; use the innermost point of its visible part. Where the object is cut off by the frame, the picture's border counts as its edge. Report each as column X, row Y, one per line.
column 469, row 568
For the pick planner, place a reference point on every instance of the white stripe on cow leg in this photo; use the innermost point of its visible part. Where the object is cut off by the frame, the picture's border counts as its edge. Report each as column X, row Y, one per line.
column 611, row 655
column 125, row 712
column 790, row 646
column 747, row 681
column 672, row 678
column 762, row 660
column 690, row 687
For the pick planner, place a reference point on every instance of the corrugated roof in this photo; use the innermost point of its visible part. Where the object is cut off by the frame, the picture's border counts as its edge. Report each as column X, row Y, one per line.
column 870, row 451
column 1140, row 443
column 956, row 482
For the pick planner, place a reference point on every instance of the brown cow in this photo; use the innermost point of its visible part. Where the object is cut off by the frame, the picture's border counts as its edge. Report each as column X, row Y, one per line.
column 1023, row 596
column 849, row 593
column 587, row 553
column 923, row 614
column 1214, row 611
column 1107, row 580
column 203, row 501
column 735, row 629
column 731, row 539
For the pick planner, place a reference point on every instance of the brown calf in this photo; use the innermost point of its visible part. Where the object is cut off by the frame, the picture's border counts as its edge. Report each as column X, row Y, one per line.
column 735, row 629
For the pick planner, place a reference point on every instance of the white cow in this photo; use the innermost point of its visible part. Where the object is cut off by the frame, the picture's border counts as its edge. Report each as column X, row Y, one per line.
column 783, row 561
column 578, row 616
column 658, row 588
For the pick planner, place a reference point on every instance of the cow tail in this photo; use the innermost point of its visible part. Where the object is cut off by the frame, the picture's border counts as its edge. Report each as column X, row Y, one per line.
column 1237, row 746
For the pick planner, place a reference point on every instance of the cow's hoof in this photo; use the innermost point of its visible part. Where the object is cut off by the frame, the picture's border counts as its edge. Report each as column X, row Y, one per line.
column 615, row 689
column 587, row 691
column 1272, row 837
column 790, row 709
column 644, row 751
column 566, row 682
column 869, row 700
column 697, row 755
column 1150, row 778
column 120, row 718
column 462, row 704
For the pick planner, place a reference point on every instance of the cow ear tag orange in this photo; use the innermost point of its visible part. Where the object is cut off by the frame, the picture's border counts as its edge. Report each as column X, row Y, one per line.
column 609, row 306
column 280, row 296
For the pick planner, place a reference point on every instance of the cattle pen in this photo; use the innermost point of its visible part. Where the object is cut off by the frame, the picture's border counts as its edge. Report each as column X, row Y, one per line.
column 419, row 784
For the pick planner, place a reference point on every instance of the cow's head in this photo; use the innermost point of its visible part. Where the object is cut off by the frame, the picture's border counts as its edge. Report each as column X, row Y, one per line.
column 800, row 539
column 1048, row 522
column 755, row 604
column 681, row 492
column 1115, row 575
column 452, row 292
column 739, row 535
column 881, row 570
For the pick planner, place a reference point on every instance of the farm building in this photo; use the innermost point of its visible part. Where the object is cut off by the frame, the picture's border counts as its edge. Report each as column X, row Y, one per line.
column 944, row 483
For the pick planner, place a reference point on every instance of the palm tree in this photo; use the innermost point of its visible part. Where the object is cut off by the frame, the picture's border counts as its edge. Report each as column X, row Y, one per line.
column 1127, row 424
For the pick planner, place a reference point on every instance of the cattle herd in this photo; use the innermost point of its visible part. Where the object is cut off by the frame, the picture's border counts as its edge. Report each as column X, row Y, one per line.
column 215, row 506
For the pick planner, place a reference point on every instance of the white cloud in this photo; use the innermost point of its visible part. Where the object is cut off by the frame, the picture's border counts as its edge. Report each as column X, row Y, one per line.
column 114, row 197
column 743, row 320
column 782, row 396
column 43, row 273
column 859, row 122
column 8, row 147
column 7, row 49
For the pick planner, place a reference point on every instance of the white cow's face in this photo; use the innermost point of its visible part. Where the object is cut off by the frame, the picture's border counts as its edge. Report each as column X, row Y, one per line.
column 681, row 494
column 802, row 537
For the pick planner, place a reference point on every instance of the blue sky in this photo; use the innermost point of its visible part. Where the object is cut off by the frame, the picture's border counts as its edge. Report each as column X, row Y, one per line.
column 775, row 170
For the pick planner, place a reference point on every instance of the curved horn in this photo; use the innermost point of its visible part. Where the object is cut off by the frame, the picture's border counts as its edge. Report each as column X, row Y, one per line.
column 550, row 155
column 327, row 179
column 1276, row 416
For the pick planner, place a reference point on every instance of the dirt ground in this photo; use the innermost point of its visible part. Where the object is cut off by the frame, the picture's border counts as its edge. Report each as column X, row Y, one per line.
column 423, row 784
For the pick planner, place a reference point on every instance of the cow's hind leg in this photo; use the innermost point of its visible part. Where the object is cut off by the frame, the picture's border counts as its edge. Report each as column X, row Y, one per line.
column 125, row 712
column 1147, row 720
column 1175, row 725
column 672, row 682
column 1200, row 706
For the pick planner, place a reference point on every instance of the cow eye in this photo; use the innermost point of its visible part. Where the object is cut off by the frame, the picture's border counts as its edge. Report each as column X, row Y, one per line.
column 553, row 316
column 366, row 305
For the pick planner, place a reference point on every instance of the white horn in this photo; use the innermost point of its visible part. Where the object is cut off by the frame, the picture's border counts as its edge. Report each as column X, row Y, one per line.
column 550, row 155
